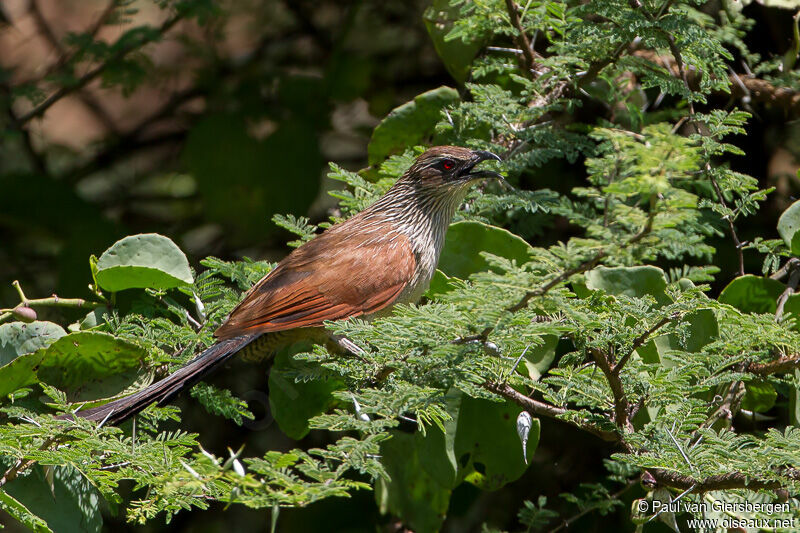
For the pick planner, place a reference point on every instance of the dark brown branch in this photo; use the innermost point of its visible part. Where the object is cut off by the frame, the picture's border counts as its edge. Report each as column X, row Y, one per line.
column 726, row 409
column 95, row 72
column 640, row 340
column 787, row 267
column 44, row 27
column 37, row 160
column 23, row 464
column 521, row 37
column 621, row 405
column 539, row 408
column 782, row 365
column 791, row 287
column 730, row 480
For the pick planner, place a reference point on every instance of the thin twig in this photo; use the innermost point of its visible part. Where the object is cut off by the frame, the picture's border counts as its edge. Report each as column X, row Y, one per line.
column 641, row 339
column 791, row 287
column 676, row 53
column 521, row 37
column 539, row 408
column 787, row 267
column 22, row 464
column 44, row 27
column 621, row 404
column 94, row 73
column 569, row 521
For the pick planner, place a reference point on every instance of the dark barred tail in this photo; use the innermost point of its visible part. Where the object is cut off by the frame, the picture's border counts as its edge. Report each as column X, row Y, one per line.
column 165, row 390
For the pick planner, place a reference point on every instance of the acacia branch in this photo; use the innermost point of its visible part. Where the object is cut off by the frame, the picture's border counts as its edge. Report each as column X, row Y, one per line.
column 539, row 408
column 676, row 53
column 94, row 73
column 44, row 27
column 641, row 339
column 23, row 464
column 621, row 405
column 784, row 364
column 727, row 481
column 726, row 409
column 521, row 37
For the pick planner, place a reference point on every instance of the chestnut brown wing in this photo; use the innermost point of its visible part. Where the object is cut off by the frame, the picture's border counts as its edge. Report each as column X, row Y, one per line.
column 337, row 275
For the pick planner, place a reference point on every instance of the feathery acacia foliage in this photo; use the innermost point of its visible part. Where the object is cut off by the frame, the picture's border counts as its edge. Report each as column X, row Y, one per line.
column 613, row 331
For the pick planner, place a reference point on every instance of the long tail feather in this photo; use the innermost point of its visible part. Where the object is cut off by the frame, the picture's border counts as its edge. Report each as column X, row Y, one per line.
column 165, row 390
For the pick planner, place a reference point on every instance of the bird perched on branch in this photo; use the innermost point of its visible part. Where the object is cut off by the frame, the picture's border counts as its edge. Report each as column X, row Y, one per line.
column 384, row 255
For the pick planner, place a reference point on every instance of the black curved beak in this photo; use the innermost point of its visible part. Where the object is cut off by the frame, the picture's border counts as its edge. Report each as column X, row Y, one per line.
column 478, row 156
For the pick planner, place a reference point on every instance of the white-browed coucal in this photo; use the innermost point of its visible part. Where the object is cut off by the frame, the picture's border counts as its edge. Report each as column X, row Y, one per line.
column 384, row 255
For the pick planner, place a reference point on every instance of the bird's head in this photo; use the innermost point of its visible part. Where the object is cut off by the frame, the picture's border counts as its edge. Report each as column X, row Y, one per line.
column 450, row 167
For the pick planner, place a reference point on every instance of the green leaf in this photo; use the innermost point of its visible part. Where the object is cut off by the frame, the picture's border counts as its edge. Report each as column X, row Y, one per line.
column 91, row 365
column 461, row 255
column 440, row 284
column 702, row 329
column 538, row 359
column 635, row 281
column 21, row 513
column 755, row 294
column 19, row 338
column 19, row 373
column 480, row 444
column 73, row 504
column 436, row 447
column 411, row 494
column 143, row 261
column 788, row 224
column 292, row 403
column 456, row 54
column 759, row 396
column 95, row 318
column 487, row 447
column 409, row 123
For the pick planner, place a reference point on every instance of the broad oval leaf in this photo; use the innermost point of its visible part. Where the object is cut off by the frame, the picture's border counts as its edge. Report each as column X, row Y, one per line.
column 480, row 444
column 409, row 123
column 635, row 281
column 759, row 396
column 486, row 444
column 752, row 294
column 21, row 350
column 461, row 255
column 90, row 365
column 66, row 502
column 411, row 492
column 788, row 225
column 293, row 403
column 19, row 338
column 148, row 260
column 456, row 53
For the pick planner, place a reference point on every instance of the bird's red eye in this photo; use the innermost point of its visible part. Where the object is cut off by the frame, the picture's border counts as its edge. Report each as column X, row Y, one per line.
column 447, row 164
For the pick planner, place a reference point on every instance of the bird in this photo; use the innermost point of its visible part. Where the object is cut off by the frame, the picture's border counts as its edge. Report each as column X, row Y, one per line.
column 361, row 267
